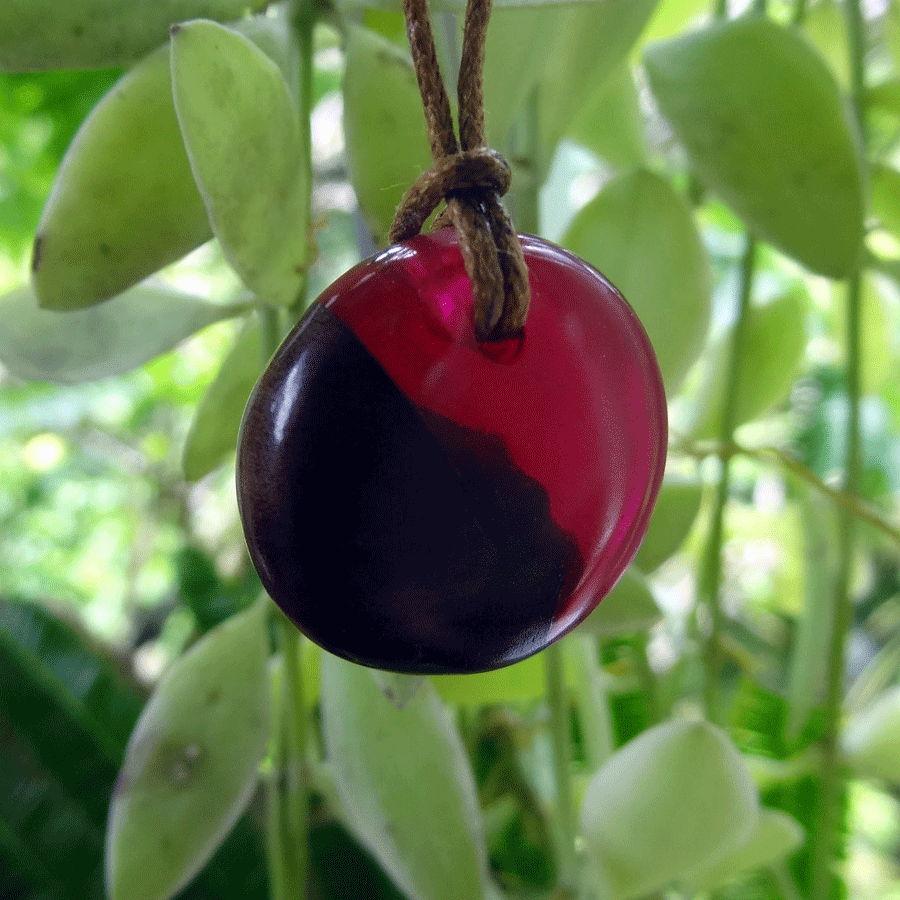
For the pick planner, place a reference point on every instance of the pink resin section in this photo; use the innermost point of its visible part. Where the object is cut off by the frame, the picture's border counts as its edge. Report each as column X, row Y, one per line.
column 577, row 399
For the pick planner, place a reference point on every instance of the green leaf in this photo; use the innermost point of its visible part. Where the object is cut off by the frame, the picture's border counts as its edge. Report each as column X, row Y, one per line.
column 384, row 127
column 243, row 139
column 405, row 784
column 766, row 128
column 885, row 194
column 775, row 341
column 43, row 34
column 65, row 713
column 628, row 607
column 524, row 680
column 509, row 76
column 641, row 235
column 871, row 739
column 192, row 762
column 124, row 203
column 586, row 47
column 777, row 835
column 611, row 123
column 214, row 432
column 99, row 341
column 676, row 798
column 825, row 26
column 677, row 505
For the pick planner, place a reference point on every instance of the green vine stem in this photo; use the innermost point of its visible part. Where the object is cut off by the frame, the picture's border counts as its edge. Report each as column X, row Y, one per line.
column 711, row 566
column 592, row 701
column 796, row 467
column 561, row 733
column 827, row 838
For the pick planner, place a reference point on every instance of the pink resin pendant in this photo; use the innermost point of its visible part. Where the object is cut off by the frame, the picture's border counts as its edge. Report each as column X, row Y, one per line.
column 418, row 501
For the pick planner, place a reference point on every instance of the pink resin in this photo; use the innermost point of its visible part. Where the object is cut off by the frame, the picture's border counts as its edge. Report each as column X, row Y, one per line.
column 577, row 398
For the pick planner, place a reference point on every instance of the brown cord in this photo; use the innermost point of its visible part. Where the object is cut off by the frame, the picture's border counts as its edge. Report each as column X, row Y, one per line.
column 468, row 175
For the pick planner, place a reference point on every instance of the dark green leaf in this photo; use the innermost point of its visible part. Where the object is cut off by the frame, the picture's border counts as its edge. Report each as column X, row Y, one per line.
column 767, row 129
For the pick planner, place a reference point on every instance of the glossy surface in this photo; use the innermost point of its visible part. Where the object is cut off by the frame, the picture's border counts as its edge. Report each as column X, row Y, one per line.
column 419, row 502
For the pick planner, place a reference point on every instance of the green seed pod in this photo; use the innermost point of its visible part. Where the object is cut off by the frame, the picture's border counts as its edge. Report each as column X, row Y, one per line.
column 124, row 203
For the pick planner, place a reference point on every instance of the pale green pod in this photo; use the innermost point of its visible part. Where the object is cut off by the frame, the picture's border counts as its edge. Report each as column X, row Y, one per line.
column 243, row 138
column 124, row 203
column 192, row 762
column 90, row 34
column 676, row 798
column 384, row 126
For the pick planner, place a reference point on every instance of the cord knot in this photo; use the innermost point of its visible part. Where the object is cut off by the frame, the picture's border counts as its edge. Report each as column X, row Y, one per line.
column 469, row 176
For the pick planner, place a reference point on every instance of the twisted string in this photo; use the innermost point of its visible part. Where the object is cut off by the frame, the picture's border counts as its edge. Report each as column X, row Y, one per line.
column 468, row 175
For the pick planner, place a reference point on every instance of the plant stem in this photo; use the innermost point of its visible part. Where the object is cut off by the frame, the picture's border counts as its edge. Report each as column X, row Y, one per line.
column 711, row 572
column 825, row 846
column 592, row 700
column 560, row 727
column 826, row 839
column 799, row 12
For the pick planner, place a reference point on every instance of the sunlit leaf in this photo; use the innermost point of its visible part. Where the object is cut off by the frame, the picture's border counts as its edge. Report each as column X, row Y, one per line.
column 773, row 347
column 192, row 762
column 522, row 681
column 766, row 128
column 871, row 739
column 585, row 48
column 825, row 25
column 628, row 607
column 885, row 188
column 244, row 143
column 674, row 799
column 102, row 340
column 611, row 123
column 384, row 128
column 677, row 505
column 641, row 235
column 214, row 431
column 405, row 784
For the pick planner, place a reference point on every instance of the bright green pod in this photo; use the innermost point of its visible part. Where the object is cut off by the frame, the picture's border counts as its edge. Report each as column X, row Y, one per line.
column 90, row 34
column 384, row 126
column 124, row 203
